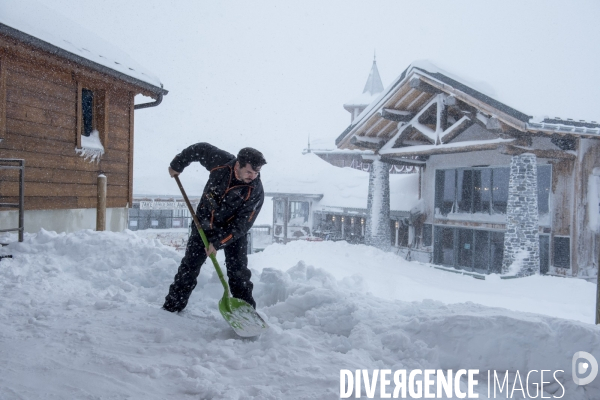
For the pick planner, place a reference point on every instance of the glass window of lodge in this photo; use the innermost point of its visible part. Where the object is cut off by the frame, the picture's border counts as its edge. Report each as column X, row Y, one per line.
column 279, row 211
column 483, row 190
column 298, row 213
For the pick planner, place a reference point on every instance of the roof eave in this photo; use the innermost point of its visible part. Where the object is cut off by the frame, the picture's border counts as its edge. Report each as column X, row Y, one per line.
column 52, row 49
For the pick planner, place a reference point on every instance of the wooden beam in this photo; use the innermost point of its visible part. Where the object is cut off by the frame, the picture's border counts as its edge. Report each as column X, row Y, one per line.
column 456, row 129
column 365, row 143
column 443, row 115
column 450, row 101
column 131, row 115
column 564, row 142
column 418, row 84
column 435, row 150
column 404, row 161
column 509, row 120
column 79, row 108
column 493, row 125
column 2, row 95
column 396, row 115
column 102, row 117
column 512, row 150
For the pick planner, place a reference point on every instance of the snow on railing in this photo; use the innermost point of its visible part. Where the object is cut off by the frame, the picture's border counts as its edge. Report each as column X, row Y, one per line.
column 563, row 128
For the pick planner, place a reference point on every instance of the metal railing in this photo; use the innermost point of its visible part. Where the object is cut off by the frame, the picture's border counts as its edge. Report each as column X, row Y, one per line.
column 15, row 164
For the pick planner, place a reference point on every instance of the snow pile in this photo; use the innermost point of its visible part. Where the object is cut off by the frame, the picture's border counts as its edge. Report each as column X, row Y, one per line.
column 80, row 317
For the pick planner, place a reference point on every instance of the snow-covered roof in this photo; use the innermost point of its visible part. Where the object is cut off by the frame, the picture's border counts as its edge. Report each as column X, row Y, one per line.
column 340, row 187
column 373, row 87
column 480, row 91
column 425, row 67
column 42, row 27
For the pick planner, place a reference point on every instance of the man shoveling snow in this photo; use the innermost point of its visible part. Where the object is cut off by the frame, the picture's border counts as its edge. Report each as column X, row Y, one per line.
column 231, row 200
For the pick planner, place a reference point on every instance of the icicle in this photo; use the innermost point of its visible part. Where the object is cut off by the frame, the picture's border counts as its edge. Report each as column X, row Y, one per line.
column 91, row 147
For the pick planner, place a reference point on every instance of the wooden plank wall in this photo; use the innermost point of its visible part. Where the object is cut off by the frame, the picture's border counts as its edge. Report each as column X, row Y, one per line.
column 41, row 127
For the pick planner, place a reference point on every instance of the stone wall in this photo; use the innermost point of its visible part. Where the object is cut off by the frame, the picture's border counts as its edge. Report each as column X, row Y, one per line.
column 521, row 240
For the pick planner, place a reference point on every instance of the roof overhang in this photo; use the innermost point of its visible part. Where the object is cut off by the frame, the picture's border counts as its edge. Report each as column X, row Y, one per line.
column 52, row 49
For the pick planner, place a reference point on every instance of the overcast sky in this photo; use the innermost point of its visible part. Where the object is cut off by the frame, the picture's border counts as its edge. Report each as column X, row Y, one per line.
column 269, row 74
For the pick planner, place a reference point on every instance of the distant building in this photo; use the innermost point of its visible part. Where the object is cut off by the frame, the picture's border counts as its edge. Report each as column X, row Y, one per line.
column 501, row 192
column 332, row 203
column 160, row 212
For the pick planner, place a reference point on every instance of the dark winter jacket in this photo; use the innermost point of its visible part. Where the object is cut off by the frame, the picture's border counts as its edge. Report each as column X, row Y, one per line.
column 229, row 206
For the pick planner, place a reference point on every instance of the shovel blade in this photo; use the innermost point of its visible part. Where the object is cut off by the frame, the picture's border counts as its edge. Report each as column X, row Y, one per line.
column 242, row 317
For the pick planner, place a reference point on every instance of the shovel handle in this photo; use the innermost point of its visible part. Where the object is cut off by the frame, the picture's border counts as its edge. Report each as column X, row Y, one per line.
column 202, row 235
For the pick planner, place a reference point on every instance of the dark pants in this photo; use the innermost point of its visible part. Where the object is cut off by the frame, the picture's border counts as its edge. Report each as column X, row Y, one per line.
column 236, row 261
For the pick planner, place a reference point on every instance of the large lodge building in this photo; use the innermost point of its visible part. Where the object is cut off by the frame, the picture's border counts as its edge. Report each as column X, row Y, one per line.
column 498, row 189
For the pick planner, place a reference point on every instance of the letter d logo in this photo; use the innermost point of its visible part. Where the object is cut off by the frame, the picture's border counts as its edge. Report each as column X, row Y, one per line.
column 582, row 367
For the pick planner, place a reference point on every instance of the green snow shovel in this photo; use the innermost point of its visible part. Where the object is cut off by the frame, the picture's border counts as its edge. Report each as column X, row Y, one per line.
column 238, row 313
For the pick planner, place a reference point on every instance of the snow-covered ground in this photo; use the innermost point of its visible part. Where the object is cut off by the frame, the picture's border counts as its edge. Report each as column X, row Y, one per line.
column 80, row 318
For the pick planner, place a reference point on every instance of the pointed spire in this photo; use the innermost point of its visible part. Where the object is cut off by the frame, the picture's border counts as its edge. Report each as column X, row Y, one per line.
column 370, row 92
column 374, row 84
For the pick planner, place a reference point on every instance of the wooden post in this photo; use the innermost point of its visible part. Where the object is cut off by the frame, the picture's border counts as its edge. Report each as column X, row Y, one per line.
column 3, row 73
column 101, row 204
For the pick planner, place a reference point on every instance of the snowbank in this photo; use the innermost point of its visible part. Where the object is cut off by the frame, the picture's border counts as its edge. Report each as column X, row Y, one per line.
column 80, row 317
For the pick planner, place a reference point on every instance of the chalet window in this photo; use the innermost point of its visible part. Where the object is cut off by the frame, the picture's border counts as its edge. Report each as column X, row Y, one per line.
column 500, row 179
column 444, row 246
column 464, row 194
column 427, row 235
column 496, row 251
column 92, row 121
column 445, row 189
column 544, row 253
column 298, row 213
column 279, row 211
column 87, row 111
column 562, row 252
column 465, row 247
column 482, row 190
column 401, row 230
column 544, row 182
column 471, row 249
column 481, row 259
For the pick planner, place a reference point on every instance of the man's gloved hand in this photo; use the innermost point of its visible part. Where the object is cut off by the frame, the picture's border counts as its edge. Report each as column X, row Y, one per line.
column 211, row 250
column 172, row 172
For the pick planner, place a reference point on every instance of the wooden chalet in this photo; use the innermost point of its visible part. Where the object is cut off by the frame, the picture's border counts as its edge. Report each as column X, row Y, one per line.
column 498, row 189
column 67, row 109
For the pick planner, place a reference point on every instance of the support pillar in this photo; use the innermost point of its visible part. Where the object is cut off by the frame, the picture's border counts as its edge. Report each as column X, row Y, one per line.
column 101, row 204
column 378, row 232
column 522, row 240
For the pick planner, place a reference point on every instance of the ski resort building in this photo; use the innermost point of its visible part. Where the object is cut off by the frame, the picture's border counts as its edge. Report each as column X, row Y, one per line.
column 500, row 191
column 67, row 109
column 330, row 203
